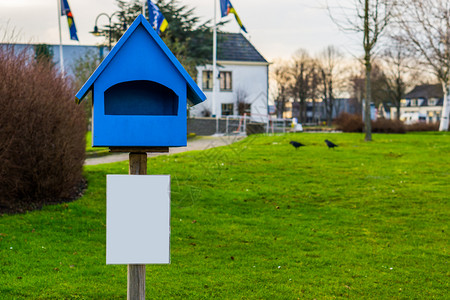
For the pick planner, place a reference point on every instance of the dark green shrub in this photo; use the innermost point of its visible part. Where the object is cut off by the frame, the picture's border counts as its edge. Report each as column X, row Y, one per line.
column 42, row 134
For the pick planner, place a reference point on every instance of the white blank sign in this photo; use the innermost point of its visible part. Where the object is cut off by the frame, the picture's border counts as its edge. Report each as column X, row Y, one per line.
column 138, row 219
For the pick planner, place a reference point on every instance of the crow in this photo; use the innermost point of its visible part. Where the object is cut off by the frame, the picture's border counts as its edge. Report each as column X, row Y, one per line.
column 330, row 144
column 296, row 144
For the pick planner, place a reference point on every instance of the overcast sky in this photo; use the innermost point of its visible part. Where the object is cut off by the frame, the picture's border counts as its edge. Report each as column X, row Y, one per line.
column 276, row 28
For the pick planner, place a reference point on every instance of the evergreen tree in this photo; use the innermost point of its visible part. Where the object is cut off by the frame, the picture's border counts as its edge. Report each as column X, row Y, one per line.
column 43, row 53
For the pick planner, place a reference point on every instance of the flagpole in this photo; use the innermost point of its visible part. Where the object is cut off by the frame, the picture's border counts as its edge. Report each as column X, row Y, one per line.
column 61, row 58
column 214, row 85
column 143, row 8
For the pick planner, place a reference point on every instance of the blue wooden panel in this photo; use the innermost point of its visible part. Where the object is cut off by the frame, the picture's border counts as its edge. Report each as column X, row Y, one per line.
column 140, row 131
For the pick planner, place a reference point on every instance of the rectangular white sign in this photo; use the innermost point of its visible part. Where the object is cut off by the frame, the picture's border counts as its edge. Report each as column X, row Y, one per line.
column 138, row 219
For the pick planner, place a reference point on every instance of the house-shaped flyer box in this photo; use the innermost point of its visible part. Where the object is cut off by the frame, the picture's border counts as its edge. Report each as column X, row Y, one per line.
column 140, row 93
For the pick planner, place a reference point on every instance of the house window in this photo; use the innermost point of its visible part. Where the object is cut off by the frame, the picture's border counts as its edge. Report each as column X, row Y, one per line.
column 227, row 109
column 225, row 81
column 207, row 81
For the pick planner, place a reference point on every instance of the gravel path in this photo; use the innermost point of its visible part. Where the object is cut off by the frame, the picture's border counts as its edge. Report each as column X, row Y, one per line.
column 199, row 143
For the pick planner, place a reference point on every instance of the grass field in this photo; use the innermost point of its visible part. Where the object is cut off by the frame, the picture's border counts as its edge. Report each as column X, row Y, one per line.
column 259, row 220
column 93, row 152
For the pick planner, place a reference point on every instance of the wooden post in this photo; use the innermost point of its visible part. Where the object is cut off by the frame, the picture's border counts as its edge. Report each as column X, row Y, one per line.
column 136, row 273
column 138, row 163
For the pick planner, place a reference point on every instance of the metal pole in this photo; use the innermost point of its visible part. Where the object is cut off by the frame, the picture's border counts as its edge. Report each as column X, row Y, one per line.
column 61, row 58
column 143, row 8
column 226, row 126
column 245, row 122
column 214, row 87
column 110, row 31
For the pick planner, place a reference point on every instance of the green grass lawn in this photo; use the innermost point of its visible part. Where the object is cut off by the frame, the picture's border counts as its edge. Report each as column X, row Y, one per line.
column 259, row 220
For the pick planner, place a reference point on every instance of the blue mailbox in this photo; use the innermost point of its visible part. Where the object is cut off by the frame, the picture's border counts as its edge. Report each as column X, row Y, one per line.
column 140, row 93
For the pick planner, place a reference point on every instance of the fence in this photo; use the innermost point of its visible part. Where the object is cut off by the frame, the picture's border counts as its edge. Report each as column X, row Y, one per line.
column 238, row 125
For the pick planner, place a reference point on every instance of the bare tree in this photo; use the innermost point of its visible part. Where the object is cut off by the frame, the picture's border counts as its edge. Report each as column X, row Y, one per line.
column 357, row 85
column 371, row 18
column 356, row 90
column 302, row 89
column 328, row 61
column 396, row 69
column 282, row 78
column 315, row 79
column 242, row 105
column 425, row 27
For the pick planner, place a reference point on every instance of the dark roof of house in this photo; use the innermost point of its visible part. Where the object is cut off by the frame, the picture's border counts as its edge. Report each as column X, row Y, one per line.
column 235, row 47
column 426, row 91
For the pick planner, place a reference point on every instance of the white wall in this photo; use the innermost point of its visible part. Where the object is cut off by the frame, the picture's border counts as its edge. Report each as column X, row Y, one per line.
column 250, row 77
column 411, row 114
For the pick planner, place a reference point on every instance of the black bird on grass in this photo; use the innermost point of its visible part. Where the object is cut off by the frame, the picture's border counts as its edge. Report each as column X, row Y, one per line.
column 330, row 144
column 296, row 144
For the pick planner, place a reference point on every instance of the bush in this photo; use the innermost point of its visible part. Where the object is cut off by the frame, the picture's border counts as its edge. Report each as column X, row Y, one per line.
column 354, row 123
column 349, row 122
column 423, row 127
column 42, row 132
column 388, row 126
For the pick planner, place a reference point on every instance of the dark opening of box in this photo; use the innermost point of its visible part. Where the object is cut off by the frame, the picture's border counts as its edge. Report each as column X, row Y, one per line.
column 140, row 97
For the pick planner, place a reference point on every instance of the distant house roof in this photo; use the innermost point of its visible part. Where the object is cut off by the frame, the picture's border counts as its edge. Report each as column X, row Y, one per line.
column 426, row 91
column 235, row 47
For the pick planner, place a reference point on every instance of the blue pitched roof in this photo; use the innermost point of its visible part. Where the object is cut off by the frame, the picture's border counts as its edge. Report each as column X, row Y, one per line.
column 194, row 93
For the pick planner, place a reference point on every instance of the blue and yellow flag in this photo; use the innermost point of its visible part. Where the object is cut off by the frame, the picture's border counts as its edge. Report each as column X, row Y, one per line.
column 156, row 18
column 65, row 11
column 226, row 8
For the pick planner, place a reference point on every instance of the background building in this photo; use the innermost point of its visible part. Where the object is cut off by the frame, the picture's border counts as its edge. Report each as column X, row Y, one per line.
column 422, row 104
column 243, row 80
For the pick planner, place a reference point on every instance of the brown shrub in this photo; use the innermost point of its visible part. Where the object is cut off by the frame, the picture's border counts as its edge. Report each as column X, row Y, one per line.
column 388, row 126
column 349, row 122
column 423, row 127
column 42, row 133
column 354, row 123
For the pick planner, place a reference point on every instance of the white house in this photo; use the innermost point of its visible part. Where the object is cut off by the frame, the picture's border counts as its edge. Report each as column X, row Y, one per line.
column 422, row 104
column 243, row 80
